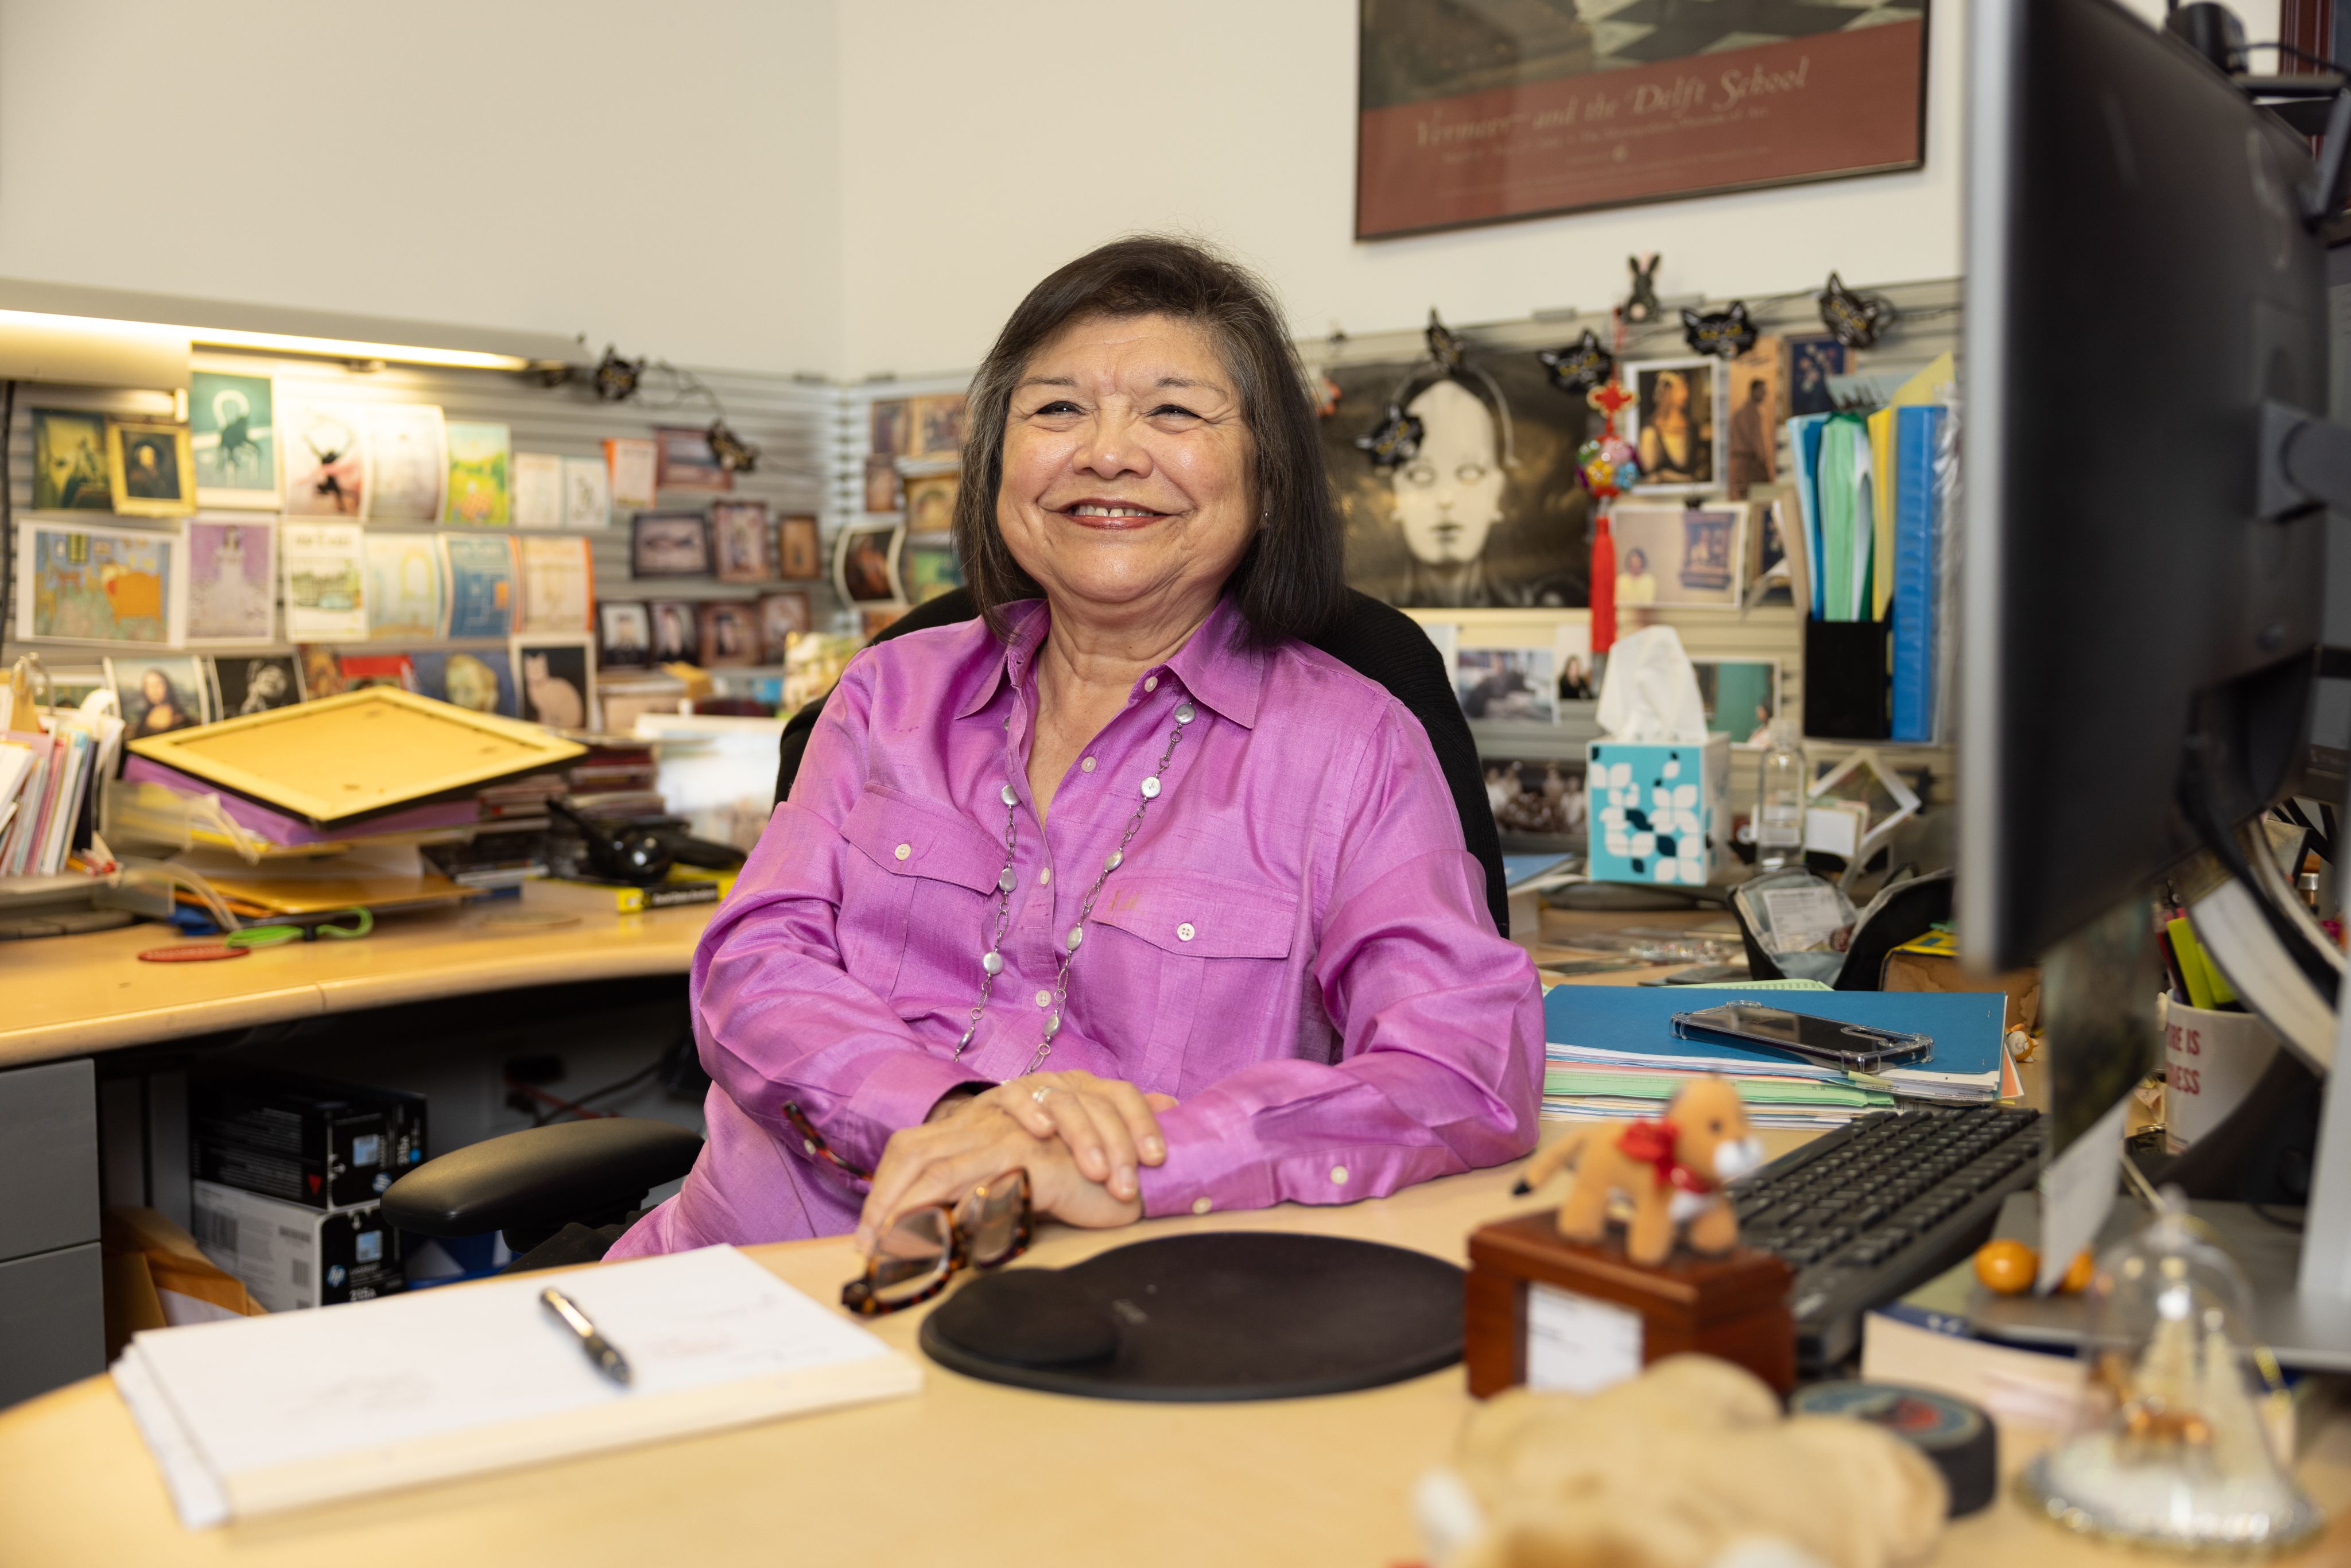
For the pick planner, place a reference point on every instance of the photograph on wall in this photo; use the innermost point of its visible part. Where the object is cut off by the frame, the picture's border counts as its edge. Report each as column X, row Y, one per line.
column 1478, row 113
column 480, row 457
column 481, row 579
column 1741, row 697
column 555, row 679
column 479, row 680
column 246, row 684
column 81, row 583
column 800, row 558
column 1497, row 683
column 361, row 671
column 586, row 493
column 322, row 677
column 538, row 498
column 160, row 694
column 1811, row 363
column 632, row 464
column 150, row 467
column 322, row 447
column 1535, row 797
column 686, row 461
column 624, row 635
column 69, row 462
column 930, row 503
column 1756, row 399
column 888, row 420
column 405, row 602
column 407, row 463
column 1677, row 557
column 559, row 583
column 231, row 580
column 860, row 563
column 1675, row 425
column 1487, row 514
column 782, row 617
column 232, row 425
column 937, row 426
column 677, row 636
column 742, row 541
column 324, row 566
column 669, row 544
column 881, row 484
column 928, row 568
column 729, row 633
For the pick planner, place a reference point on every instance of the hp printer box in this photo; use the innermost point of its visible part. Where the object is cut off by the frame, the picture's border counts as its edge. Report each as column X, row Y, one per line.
column 303, row 1140
column 292, row 1256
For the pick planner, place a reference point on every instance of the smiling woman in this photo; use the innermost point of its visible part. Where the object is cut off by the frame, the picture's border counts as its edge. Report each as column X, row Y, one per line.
column 1124, row 886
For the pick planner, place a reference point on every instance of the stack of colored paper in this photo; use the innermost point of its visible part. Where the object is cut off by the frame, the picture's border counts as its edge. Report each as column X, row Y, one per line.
column 46, row 777
column 1610, row 1053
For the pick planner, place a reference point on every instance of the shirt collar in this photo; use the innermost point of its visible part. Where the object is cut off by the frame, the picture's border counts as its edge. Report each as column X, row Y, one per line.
column 1213, row 664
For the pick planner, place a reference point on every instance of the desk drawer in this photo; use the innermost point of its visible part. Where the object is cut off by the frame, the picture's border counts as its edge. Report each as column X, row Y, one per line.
column 48, row 1158
column 52, row 1321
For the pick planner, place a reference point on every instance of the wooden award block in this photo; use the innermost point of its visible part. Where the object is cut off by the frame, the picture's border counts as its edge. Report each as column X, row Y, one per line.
column 1552, row 1314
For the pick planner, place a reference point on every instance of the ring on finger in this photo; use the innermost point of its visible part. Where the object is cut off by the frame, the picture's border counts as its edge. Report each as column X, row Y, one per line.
column 1039, row 1095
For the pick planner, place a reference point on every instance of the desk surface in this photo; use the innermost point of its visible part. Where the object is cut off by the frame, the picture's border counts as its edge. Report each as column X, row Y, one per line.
column 69, row 996
column 963, row 1472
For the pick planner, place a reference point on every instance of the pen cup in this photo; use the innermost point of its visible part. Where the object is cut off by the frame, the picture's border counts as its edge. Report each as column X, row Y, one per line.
column 1846, row 689
column 2211, row 1062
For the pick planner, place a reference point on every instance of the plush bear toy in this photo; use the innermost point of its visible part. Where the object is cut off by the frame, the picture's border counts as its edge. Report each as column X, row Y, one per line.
column 1689, row 1465
column 1670, row 1170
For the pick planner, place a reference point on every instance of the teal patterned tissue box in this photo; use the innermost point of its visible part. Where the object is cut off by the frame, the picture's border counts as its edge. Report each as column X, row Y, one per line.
column 1660, row 812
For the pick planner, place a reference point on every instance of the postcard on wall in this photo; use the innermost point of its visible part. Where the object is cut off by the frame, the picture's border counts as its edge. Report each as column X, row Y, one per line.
column 324, row 567
column 676, row 635
column 481, row 575
column 1811, row 363
column 406, row 602
column 729, row 634
column 930, row 503
column 150, row 468
column 84, row 583
column 887, row 427
column 881, row 484
column 1676, row 423
column 246, row 684
column 586, row 493
column 322, row 453
column 624, row 635
column 231, row 579
column 1497, row 683
column 407, row 463
column 634, row 465
column 479, row 458
column 860, row 563
column 559, row 583
column 481, row 681
column 1741, row 697
column 556, row 679
column 160, row 693
column 361, row 671
column 800, row 558
column 669, row 544
column 782, row 617
column 741, row 541
column 69, row 462
column 1679, row 556
column 232, row 424
column 939, row 426
column 537, row 500
column 1757, row 401
column 686, row 461
column 928, row 567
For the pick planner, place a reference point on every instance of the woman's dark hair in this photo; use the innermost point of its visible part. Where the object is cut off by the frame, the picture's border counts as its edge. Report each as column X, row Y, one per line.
column 1291, row 580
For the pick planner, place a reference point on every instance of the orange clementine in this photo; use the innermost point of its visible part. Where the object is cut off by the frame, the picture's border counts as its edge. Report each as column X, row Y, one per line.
column 2007, row 1267
column 2077, row 1275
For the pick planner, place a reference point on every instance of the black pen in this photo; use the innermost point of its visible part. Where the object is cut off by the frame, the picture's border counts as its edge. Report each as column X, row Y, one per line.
column 607, row 1360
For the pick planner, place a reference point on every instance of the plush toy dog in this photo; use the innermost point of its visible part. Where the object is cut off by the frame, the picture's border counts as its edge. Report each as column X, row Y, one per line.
column 1671, row 1171
column 1689, row 1465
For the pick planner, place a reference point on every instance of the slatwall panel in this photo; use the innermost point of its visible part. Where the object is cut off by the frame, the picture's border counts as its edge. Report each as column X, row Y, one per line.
column 792, row 422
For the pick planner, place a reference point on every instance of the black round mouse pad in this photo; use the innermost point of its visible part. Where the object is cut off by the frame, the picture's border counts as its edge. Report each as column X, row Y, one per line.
column 1221, row 1316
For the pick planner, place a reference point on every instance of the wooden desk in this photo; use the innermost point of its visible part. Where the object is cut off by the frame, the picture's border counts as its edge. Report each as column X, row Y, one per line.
column 965, row 1471
column 73, row 996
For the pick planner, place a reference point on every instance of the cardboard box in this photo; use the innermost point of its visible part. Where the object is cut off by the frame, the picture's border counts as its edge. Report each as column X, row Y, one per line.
column 303, row 1140
column 1660, row 812
column 291, row 1256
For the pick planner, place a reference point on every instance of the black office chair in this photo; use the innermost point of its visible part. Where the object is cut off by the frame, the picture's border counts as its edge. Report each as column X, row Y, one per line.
column 535, row 1186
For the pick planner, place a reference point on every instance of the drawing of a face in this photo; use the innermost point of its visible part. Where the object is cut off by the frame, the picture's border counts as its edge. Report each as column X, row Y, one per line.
column 1449, row 497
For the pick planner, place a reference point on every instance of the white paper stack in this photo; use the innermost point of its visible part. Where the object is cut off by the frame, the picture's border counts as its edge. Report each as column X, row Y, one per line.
column 256, row 1414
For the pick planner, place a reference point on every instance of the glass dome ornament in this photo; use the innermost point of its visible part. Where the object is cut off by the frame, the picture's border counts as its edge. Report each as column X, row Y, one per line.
column 2168, row 1446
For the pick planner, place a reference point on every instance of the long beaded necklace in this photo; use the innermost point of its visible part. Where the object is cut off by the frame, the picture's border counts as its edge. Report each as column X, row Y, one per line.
column 991, row 962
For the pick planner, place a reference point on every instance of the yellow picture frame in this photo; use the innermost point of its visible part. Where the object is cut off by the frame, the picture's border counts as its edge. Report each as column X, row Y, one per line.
column 162, row 482
column 338, row 759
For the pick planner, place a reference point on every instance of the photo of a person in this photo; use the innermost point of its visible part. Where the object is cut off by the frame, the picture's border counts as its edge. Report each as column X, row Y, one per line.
column 1536, row 797
column 1636, row 584
column 861, row 568
column 1675, row 425
column 468, row 683
column 267, row 684
column 1753, row 439
column 675, row 639
column 1506, row 683
column 159, row 701
column 1574, row 680
column 628, row 633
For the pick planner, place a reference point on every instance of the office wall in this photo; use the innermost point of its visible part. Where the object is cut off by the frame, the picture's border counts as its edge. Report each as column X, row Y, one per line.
column 663, row 177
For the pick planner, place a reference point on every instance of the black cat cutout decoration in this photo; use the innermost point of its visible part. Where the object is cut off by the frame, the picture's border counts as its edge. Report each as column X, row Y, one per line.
column 1725, row 334
column 734, row 453
column 1445, row 346
column 1579, row 367
column 616, row 378
column 1641, row 305
column 1394, row 441
column 1854, row 318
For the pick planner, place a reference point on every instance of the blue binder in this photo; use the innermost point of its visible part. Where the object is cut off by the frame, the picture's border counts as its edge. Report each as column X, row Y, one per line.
column 1917, row 431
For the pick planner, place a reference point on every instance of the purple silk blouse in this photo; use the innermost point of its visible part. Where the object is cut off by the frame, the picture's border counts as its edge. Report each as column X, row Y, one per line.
column 1296, row 945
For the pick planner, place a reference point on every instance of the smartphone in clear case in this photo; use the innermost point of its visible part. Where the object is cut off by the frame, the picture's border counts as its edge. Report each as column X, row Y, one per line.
column 1859, row 1048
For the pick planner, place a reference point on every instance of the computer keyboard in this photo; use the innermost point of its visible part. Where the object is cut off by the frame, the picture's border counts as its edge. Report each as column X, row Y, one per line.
column 1876, row 1207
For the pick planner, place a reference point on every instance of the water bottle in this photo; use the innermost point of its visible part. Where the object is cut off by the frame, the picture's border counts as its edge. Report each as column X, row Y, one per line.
column 1779, row 801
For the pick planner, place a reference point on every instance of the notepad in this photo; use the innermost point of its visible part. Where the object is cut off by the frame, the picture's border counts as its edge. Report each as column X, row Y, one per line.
column 254, row 1415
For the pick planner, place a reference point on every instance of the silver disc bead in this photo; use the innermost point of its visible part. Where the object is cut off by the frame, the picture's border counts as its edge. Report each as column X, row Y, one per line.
column 1005, row 880
column 1184, row 714
column 1117, row 859
column 1009, row 797
column 1151, row 788
column 992, row 961
column 1077, row 934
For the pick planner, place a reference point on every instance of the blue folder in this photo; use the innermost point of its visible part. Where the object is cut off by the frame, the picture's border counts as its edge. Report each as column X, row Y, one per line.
column 1917, row 431
column 1967, row 1027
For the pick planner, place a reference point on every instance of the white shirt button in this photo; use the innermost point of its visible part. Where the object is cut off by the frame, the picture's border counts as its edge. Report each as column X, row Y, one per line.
column 1185, row 932
column 1044, row 998
column 1202, row 1206
column 903, row 851
column 1338, row 1175
column 1045, row 877
column 1151, row 683
column 1087, row 765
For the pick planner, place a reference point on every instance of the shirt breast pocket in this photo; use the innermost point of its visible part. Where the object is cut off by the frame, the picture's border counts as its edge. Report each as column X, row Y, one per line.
column 918, row 899
column 1221, row 950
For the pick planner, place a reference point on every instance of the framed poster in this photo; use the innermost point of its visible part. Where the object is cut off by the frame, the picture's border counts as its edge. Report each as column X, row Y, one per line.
column 1475, row 114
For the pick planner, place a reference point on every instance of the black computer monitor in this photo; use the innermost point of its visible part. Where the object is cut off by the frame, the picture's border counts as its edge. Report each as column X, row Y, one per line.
column 2134, row 634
